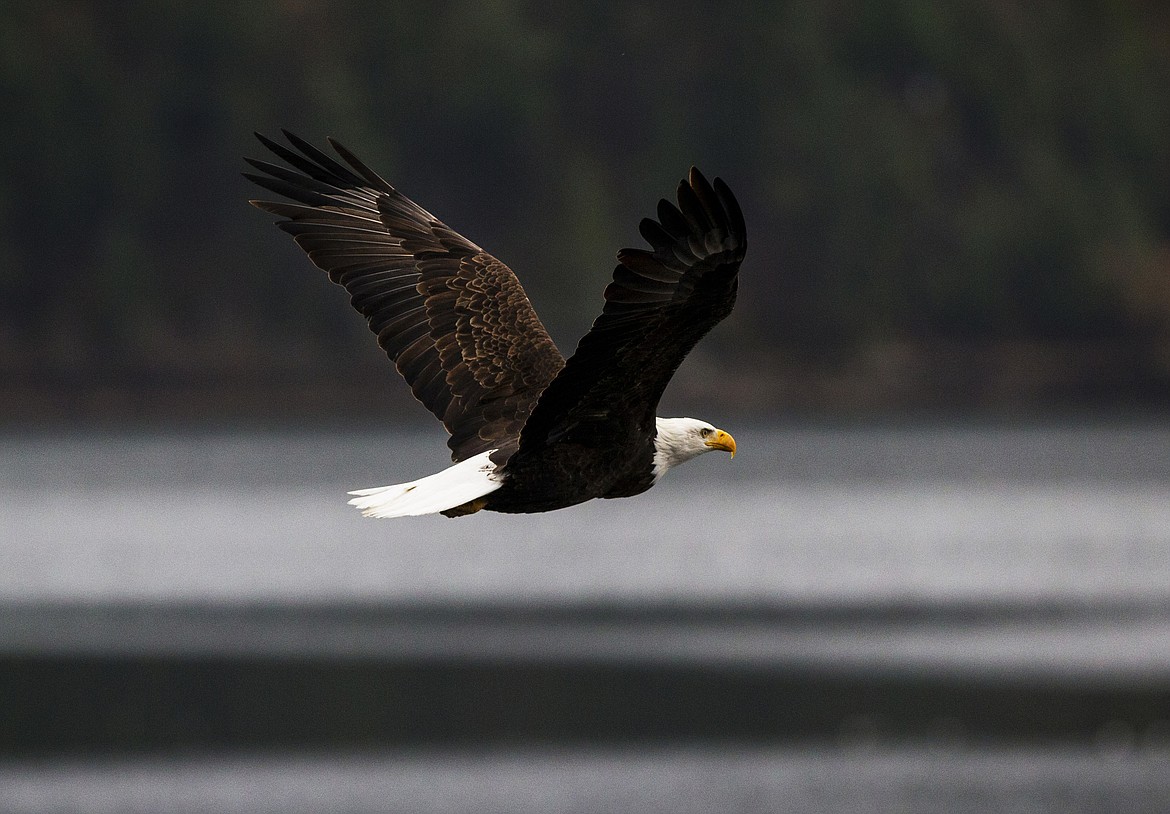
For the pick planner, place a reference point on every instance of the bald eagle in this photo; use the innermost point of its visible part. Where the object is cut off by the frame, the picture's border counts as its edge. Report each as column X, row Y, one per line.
column 530, row 430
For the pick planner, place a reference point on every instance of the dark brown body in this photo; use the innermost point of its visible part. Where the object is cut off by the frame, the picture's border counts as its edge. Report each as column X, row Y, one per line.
column 571, row 472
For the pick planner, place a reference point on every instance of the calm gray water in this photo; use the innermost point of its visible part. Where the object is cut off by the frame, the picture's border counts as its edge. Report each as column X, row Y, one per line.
column 1071, row 519
column 574, row 782
column 1066, row 514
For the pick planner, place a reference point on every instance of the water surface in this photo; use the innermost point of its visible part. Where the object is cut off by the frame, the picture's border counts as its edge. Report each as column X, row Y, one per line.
column 1034, row 554
column 1078, row 514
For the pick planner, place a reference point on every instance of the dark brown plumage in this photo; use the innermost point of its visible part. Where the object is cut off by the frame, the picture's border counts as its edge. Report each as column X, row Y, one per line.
column 456, row 323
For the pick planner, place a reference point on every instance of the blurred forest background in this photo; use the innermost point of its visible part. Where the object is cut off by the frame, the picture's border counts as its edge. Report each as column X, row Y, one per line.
column 960, row 206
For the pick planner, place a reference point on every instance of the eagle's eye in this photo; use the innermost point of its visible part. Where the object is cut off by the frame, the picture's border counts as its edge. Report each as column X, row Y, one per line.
column 706, row 431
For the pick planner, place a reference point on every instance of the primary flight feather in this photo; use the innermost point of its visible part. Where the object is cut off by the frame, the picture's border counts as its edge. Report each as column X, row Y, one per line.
column 530, row 431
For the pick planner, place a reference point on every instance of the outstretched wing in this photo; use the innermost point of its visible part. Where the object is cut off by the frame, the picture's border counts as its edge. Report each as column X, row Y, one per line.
column 453, row 319
column 660, row 303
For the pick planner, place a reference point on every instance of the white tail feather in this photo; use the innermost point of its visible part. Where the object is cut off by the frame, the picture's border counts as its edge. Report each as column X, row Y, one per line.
column 452, row 487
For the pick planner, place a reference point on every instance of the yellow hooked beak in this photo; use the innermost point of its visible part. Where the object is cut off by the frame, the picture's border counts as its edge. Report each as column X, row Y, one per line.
column 721, row 440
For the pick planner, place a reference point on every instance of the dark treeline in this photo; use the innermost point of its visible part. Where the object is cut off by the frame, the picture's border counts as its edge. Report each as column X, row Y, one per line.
column 961, row 204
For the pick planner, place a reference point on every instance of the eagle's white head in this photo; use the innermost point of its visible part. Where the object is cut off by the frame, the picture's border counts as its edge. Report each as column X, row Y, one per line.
column 680, row 439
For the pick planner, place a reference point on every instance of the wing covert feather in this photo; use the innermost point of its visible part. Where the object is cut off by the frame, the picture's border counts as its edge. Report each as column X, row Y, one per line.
column 454, row 320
